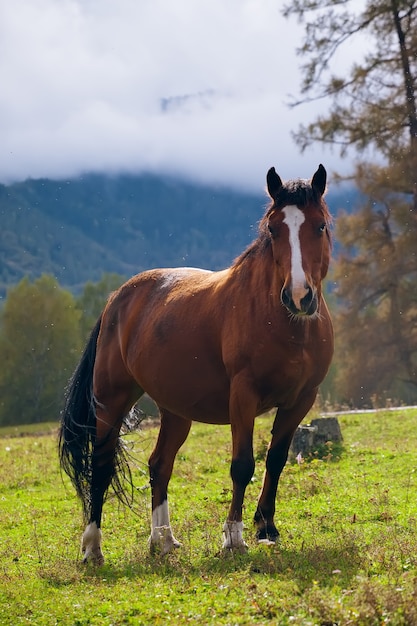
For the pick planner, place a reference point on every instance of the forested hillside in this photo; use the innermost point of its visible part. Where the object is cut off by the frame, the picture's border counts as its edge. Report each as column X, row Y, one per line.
column 77, row 229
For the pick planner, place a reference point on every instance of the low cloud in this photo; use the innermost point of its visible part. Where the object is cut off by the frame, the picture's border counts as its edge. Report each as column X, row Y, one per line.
column 193, row 89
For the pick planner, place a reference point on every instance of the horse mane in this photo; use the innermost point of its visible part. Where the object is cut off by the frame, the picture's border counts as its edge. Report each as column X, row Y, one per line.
column 299, row 192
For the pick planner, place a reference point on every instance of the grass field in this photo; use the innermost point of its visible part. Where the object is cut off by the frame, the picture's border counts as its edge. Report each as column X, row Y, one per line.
column 348, row 550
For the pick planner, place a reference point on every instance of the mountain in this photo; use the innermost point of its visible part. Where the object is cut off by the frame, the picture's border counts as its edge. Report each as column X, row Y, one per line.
column 79, row 228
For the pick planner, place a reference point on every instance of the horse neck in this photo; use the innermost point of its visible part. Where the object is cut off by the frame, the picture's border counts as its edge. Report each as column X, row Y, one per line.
column 256, row 275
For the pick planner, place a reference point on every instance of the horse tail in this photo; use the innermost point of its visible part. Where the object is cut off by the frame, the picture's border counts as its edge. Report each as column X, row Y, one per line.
column 77, row 434
column 78, row 423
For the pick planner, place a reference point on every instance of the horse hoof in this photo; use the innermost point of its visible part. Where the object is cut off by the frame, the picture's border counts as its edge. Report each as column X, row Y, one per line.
column 267, row 535
column 267, row 542
column 163, row 541
column 238, row 549
column 93, row 556
column 233, row 537
column 163, row 549
column 95, row 562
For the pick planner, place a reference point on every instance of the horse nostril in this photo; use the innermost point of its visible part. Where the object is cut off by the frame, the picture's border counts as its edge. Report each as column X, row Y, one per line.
column 309, row 302
column 306, row 305
column 286, row 297
column 309, row 294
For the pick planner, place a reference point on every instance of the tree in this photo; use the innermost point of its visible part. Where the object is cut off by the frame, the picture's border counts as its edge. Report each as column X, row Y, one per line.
column 39, row 344
column 371, row 108
column 375, row 104
column 377, row 275
column 93, row 298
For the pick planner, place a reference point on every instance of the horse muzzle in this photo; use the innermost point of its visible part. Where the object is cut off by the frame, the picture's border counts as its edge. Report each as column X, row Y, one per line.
column 300, row 302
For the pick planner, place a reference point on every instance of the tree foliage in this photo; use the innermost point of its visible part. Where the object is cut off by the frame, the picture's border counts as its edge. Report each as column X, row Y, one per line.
column 373, row 106
column 39, row 344
column 377, row 276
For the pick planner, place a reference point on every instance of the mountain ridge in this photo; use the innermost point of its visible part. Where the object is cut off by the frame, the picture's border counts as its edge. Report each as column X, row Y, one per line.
column 77, row 229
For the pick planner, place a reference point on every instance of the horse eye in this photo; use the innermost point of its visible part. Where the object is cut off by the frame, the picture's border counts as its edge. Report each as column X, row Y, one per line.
column 322, row 228
column 272, row 231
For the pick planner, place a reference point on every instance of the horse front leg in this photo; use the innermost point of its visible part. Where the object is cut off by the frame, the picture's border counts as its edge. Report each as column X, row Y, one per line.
column 242, row 417
column 173, row 432
column 285, row 424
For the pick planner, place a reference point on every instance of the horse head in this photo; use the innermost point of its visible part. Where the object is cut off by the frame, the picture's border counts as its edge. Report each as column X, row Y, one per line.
column 298, row 223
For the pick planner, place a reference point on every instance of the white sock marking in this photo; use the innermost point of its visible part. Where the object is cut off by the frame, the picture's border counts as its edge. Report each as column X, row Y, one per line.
column 91, row 544
column 160, row 515
column 233, row 536
column 161, row 533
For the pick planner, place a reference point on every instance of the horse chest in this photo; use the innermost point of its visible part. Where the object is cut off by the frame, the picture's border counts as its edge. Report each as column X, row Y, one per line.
column 287, row 351
column 282, row 386
column 292, row 370
column 288, row 368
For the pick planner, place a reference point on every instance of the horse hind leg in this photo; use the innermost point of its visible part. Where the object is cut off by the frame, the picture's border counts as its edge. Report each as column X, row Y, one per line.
column 173, row 432
column 102, row 472
column 106, row 464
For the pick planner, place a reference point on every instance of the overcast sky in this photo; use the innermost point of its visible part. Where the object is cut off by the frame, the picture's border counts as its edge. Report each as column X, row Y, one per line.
column 190, row 87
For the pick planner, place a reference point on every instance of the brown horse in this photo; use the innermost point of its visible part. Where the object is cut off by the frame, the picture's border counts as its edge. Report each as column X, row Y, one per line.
column 214, row 347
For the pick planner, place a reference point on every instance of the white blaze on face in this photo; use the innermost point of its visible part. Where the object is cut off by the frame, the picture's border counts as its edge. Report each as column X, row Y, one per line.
column 294, row 218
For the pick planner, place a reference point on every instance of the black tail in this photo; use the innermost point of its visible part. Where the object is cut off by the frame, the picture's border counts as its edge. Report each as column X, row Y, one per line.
column 77, row 435
column 78, row 423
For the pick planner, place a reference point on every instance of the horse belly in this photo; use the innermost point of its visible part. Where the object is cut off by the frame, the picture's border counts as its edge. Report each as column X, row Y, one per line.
column 194, row 402
column 189, row 383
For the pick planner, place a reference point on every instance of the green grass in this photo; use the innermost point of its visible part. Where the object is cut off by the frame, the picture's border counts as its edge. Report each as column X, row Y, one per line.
column 348, row 550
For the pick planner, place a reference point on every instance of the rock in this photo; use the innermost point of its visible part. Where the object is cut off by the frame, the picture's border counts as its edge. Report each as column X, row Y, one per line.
column 308, row 437
column 303, row 441
column 327, row 429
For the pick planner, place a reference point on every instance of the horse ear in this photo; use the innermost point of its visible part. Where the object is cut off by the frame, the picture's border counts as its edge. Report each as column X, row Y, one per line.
column 274, row 183
column 319, row 180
